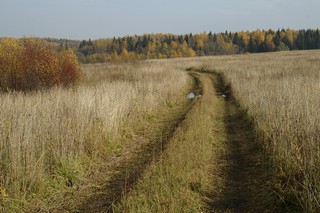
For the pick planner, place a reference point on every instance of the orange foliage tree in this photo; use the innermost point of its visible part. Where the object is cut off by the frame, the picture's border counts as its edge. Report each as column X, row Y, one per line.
column 28, row 64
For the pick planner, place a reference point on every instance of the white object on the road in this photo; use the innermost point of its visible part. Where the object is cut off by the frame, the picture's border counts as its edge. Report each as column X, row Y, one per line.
column 190, row 95
column 223, row 95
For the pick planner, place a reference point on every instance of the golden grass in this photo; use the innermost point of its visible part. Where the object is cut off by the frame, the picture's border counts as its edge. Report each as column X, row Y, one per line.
column 281, row 93
column 49, row 139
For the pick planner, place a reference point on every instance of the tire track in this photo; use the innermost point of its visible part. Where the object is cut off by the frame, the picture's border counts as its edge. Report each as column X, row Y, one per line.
column 129, row 170
column 246, row 171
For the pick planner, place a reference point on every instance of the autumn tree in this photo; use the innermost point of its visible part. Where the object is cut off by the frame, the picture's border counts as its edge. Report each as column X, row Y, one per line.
column 269, row 44
column 28, row 64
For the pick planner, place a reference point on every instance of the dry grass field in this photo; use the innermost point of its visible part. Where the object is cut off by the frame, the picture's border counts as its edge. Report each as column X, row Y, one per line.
column 50, row 141
column 281, row 93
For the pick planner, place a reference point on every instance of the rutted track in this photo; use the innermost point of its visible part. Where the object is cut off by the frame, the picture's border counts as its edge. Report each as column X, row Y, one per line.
column 241, row 177
column 247, row 172
column 181, row 180
column 130, row 169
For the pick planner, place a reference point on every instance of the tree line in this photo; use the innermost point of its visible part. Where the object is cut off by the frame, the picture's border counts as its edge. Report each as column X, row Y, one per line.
column 157, row 46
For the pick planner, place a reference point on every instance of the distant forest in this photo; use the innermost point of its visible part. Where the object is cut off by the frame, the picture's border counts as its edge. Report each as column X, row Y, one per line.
column 157, row 46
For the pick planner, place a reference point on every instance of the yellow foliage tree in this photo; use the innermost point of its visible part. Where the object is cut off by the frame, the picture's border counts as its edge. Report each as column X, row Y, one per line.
column 152, row 46
column 258, row 37
column 124, row 54
column 245, row 38
column 269, row 43
column 174, row 45
column 190, row 53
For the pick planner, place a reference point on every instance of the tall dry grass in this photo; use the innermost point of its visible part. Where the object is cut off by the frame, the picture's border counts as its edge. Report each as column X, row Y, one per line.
column 49, row 139
column 281, row 93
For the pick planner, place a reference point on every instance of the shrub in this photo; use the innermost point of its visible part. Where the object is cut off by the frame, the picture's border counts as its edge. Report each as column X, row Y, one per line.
column 69, row 67
column 29, row 64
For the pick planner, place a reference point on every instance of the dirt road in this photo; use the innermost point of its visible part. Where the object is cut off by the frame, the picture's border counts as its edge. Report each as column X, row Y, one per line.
column 240, row 174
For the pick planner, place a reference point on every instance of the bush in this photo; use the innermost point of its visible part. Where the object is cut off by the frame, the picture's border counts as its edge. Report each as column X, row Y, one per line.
column 69, row 67
column 30, row 64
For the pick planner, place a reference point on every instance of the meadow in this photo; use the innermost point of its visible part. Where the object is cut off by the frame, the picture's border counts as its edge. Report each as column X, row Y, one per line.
column 53, row 140
column 50, row 139
column 280, row 94
column 280, row 91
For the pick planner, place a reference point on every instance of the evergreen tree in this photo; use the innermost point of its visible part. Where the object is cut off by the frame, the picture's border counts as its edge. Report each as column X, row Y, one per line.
column 308, row 40
column 180, row 39
column 214, row 39
column 130, row 44
column 317, row 39
column 89, row 42
column 299, row 42
column 186, row 38
column 236, row 39
column 251, row 44
column 210, row 36
column 138, row 46
column 276, row 39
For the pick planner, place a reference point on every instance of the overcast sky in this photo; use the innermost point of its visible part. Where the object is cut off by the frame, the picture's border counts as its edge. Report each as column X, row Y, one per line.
column 83, row 19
